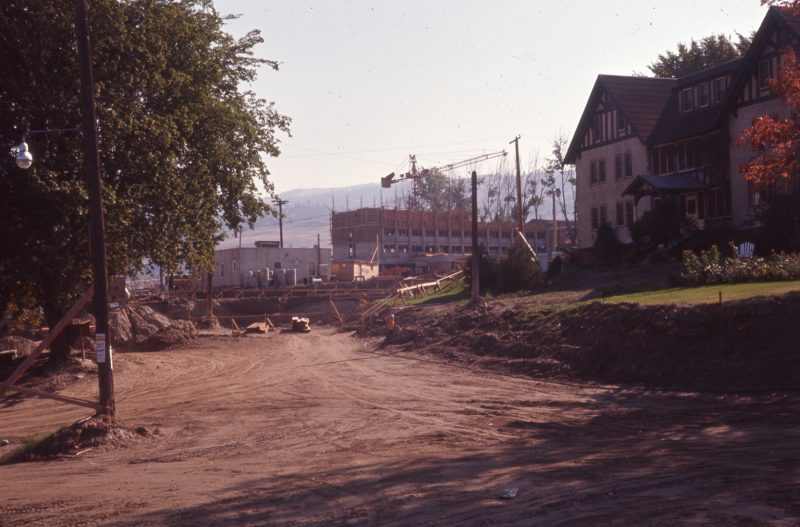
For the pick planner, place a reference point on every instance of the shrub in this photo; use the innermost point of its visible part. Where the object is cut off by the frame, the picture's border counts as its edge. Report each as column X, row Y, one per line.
column 780, row 216
column 659, row 226
column 516, row 270
column 709, row 268
column 607, row 246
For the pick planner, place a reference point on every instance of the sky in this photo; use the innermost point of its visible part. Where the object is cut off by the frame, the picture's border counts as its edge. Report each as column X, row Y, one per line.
column 366, row 83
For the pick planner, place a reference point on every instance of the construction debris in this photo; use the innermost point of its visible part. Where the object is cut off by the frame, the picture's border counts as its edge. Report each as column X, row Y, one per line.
column 300, row 325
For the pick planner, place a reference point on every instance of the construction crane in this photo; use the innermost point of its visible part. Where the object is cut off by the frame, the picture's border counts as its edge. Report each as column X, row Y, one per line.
column 414, row 175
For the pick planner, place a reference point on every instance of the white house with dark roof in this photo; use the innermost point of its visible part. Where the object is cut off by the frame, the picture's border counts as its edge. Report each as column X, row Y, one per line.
column 642, row 139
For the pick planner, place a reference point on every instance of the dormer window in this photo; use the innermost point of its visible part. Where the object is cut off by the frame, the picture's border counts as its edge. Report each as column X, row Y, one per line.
column 764, row 73
column 702, row 95
column 687, row 103
column 622, row 124
column 719, row 89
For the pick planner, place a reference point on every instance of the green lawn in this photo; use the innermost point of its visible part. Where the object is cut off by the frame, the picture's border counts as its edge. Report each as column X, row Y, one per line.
column 706, row 294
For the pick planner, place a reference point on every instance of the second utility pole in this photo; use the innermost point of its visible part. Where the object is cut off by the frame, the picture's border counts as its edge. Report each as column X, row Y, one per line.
column 280, row 202
column 520, row 219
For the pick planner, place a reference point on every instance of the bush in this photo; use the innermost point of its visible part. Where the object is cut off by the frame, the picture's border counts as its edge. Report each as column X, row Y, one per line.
column 516, row 270
column 709, row 268
column 659, row 226
column 780, row 216
column 607, row 246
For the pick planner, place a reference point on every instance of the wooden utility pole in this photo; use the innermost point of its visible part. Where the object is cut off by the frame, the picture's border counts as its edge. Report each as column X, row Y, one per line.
column 476, row 292
column 319, row 257
column 520, row 219
column 97, row 229
column 281, row 202
column 554, row 241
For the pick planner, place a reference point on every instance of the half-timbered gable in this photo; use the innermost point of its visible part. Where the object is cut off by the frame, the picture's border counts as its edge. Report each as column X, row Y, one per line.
column 609, row 149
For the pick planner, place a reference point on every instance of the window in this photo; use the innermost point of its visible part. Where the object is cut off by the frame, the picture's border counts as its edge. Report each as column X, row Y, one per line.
column 388, row 232
column 595, row 220
column 622, row 124
column 442, row 233
column 593, row 172
column 416, row 232
column 603, row 215
column 597, row 129
column 430, row 233
column 764, row 73
column 602, row 171
column 618, row 166
column 702, row 95
column 234, row 265
column 620, row 215
column 629, row 212
column 687, row 104
column 719, row 89
column 276, row 265
column 628, row 164
column 312, row 268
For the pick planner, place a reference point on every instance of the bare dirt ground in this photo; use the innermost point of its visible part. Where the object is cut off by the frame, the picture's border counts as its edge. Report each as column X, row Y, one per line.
column 327, row 429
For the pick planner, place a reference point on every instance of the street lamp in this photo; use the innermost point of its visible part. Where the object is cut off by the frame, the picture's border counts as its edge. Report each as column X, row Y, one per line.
column 97, row 240
column 24, row 157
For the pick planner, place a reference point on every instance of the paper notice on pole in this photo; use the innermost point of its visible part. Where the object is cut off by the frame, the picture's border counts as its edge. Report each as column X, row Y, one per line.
column 100, row 347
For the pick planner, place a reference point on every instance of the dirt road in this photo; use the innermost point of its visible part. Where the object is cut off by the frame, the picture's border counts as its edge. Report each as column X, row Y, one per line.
column 318, row 430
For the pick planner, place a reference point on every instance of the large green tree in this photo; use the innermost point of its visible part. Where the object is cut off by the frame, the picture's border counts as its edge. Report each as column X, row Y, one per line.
column 183, row 142
column 699, row 54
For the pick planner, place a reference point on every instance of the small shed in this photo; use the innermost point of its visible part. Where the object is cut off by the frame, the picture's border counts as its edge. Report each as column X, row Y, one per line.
column 354, row 270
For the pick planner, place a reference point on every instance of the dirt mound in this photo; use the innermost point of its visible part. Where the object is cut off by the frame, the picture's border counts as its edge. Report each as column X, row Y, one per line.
column 737, row 346
column 142, row 328
column 98, row 431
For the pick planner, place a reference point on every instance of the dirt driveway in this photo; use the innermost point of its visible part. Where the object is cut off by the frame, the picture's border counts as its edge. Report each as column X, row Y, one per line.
column 318, row 430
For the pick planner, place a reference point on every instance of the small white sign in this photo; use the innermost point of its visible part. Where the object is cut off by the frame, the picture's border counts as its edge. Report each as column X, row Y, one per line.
column 100, row 347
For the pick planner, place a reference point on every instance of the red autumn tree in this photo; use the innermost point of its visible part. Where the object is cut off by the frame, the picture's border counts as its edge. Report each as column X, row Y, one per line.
column 775, row 141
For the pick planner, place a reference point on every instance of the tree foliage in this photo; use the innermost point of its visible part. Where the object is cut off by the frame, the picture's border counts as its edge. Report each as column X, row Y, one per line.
column 699, row 55
column 183, row 143
column 560, row 180
column 437, row 191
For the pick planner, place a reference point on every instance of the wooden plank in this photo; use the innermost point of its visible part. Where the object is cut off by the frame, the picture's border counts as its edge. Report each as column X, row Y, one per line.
column 51, row 336
column 55, row 396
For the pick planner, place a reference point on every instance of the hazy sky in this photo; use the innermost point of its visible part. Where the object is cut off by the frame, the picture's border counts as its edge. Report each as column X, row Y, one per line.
column 367, row 83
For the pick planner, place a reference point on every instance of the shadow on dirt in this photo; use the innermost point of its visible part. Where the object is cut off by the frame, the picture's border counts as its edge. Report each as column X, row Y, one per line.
column 634, row 460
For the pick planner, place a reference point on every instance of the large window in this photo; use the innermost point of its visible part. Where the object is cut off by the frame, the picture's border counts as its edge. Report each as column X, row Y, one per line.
column 602, row 171
column 719, row 89
column 620, row 215
column 628, row 164
column 764, row 73
column 702, row 95
column 595, row 218
column 603, row 215
column 622, row 124
column 593, row 172
column 618, row 166
column 687, row 103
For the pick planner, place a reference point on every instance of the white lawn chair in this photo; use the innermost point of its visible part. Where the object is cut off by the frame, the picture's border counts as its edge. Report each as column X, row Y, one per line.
column 746, row 250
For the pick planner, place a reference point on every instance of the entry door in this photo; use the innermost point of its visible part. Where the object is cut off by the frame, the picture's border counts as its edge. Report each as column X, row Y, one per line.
column 691, row 207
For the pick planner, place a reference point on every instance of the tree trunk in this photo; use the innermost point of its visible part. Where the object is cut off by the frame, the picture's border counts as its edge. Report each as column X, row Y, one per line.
column 59, row 349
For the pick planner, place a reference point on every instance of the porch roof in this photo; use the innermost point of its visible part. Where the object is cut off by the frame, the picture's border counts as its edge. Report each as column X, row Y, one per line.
column 672, row 184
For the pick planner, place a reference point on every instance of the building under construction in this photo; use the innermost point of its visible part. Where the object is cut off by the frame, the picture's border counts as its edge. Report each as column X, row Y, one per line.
column 425, row 241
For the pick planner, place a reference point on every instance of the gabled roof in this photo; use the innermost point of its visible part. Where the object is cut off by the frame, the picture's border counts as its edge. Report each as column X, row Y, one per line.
column 776, row 17
column 640, row 99
column 674, row 124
